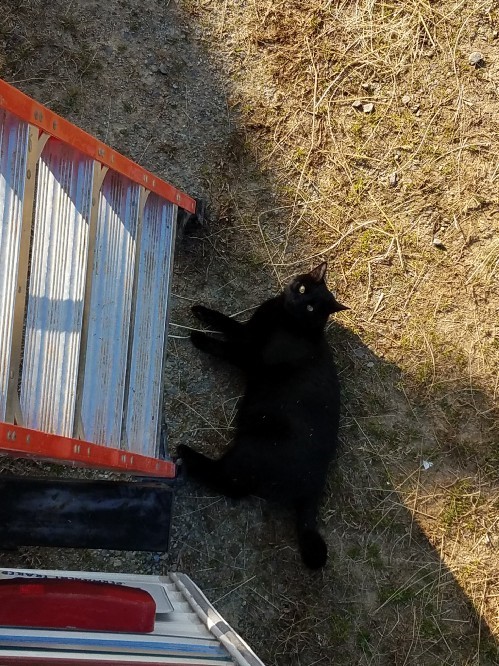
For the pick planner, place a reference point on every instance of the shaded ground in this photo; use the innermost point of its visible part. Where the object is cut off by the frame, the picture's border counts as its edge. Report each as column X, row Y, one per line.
column 204, row 98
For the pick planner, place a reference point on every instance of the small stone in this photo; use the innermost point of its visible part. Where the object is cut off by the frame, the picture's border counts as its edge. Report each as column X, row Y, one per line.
column 366, row 85
column 370, row 364
column 438, row 244
column 163, row 69
column 393, row 179
column 397, row 157
column 406, row 99
column 476, row 59
column 368, row 108
column 357, row 105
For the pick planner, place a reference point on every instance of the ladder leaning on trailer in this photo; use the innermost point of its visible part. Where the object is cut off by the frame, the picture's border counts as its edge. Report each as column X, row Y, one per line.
column 86, row 252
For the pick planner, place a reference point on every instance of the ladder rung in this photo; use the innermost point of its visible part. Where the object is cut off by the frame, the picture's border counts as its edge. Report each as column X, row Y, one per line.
column 13, row 153
column 143, row 409
column 56, row 289
column 109, row 313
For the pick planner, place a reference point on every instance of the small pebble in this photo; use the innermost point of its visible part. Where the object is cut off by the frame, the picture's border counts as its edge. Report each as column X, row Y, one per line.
column 393, row 179
column 368, row 108
column 163, row 69
column 438, row 243
column 406, row 99
column 357, row 105
column 476, row 59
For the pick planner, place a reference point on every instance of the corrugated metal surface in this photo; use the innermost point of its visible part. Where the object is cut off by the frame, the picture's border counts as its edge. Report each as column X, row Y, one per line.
column 143, row 409
column 13, row 152
column 56, row 289
column 110, row 310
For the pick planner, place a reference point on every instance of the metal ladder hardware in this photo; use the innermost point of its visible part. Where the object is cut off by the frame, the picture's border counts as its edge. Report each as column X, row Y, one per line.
column 86, row 254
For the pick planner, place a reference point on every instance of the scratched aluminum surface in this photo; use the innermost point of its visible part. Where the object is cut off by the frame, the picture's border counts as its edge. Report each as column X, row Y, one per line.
column 143, row 409
column 56, row 289
column 110, row 310
column 13, row 152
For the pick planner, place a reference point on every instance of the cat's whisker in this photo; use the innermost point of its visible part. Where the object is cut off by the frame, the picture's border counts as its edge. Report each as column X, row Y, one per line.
column 193, row 328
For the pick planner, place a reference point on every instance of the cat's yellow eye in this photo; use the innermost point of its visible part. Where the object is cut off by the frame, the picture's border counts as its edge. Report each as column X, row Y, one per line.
column 302, row 289
column 310, row 308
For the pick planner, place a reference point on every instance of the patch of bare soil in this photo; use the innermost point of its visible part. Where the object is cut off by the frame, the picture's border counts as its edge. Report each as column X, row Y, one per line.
column 249, row 105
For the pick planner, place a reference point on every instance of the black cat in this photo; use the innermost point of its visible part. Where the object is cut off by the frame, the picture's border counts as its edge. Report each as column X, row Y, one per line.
column 287, row 424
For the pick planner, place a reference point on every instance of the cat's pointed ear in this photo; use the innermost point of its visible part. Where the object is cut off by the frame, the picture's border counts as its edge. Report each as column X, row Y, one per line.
column 319, row 272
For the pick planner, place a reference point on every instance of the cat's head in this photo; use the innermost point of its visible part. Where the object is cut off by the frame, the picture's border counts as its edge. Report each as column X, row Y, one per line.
column 308, row 299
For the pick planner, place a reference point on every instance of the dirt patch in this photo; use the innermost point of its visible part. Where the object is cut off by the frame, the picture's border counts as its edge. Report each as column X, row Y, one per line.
column 250, row 107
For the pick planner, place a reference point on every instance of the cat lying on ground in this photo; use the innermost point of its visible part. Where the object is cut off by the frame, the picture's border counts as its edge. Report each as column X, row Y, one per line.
column 287, row 423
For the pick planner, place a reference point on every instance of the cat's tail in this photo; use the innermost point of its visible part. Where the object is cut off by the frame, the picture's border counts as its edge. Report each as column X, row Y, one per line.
column 313, row 548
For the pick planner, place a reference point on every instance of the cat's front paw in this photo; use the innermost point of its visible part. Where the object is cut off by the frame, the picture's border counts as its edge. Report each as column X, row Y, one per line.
column 201, row 312
column 200, row 340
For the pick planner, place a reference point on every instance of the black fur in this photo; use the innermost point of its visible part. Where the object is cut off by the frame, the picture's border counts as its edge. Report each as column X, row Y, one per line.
column 287, row 423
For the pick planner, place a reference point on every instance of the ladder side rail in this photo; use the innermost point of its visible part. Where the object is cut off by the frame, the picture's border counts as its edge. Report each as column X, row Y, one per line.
column 20, row 442
column 49, row 122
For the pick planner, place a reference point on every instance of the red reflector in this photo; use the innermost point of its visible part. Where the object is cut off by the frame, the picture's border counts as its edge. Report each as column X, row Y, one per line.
column 75, row 604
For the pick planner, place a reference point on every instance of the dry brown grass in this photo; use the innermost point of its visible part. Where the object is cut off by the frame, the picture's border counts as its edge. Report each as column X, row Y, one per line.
column 404, row 203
